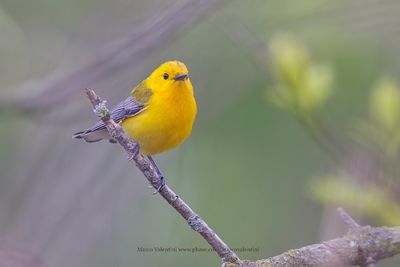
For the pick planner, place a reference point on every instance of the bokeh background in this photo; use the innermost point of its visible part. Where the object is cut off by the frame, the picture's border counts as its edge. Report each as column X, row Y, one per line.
column 299, row 113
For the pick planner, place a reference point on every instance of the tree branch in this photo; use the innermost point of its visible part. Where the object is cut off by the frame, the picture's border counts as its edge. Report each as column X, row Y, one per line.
column 132, row 148
column 361, row 246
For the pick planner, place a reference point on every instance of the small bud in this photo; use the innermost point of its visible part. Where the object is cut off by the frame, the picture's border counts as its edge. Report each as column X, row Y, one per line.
column 302, row 86
column 290, row 59
column 101, row 109
column 318, row 81
column 385, row 103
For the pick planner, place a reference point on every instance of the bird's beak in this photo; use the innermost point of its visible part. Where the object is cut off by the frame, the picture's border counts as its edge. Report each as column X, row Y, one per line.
column 181, row 77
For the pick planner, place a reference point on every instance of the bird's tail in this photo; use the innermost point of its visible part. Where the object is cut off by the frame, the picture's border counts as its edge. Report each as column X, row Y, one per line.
column 92, row 136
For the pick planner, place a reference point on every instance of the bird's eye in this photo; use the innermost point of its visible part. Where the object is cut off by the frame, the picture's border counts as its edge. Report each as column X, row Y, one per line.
column 165, row 76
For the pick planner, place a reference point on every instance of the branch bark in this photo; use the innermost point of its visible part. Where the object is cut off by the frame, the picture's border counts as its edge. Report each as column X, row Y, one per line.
column 132, row 148
column 361, row 246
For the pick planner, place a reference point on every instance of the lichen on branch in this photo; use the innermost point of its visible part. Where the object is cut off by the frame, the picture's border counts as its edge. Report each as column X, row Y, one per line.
column 360, row 246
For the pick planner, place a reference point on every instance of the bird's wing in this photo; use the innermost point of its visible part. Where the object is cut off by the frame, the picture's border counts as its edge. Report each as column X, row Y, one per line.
column 131, row 106
column 127, row 108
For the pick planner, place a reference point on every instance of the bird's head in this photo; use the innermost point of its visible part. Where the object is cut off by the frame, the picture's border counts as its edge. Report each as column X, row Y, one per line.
column 169, row 75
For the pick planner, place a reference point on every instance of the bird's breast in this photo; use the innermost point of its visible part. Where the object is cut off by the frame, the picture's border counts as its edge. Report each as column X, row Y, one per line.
column 164, row 124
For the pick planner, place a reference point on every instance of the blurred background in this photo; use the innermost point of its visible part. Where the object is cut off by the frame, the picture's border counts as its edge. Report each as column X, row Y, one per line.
column 299, row 113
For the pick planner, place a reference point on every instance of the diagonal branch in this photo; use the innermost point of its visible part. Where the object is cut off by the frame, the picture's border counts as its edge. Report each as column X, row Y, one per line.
column 132, row 148
column 361, row 246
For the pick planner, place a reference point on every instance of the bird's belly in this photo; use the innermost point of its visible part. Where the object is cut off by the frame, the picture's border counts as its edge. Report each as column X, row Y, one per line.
column 156, row 134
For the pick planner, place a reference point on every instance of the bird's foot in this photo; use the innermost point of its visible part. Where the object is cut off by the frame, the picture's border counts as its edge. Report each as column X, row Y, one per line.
column 133, row 151
column 162, row 184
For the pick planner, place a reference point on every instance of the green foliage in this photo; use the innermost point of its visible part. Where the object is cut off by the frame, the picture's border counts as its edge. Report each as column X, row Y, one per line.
column 382, row 129
column 385, row 104
column 302, row 86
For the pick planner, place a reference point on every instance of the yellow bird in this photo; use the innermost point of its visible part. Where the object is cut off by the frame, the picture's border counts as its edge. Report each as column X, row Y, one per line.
column 158, row 114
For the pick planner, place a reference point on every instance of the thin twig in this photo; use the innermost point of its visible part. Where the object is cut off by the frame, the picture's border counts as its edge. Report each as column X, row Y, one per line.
column 132, row 148
column 348, row 220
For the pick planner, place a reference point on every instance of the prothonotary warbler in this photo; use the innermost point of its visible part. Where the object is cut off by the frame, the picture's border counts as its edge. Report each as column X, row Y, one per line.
column 158, row 114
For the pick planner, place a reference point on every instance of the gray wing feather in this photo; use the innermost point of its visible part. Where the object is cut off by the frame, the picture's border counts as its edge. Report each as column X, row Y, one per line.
column 127, row 108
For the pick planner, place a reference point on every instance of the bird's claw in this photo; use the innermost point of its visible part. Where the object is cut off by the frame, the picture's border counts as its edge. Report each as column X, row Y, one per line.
column 134, row 148
column 130, row 157
column 162, row 184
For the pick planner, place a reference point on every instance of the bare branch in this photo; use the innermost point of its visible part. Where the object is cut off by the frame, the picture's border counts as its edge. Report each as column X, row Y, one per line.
column 348, row 220
column 132, row 148
column 361, row 246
